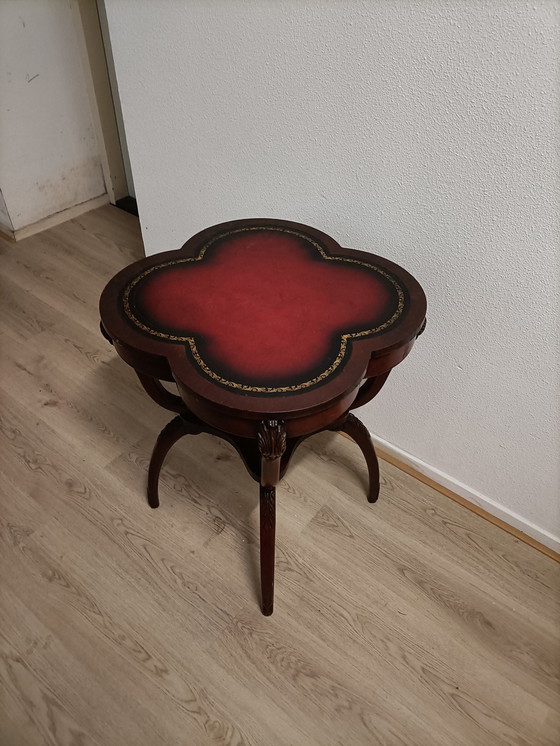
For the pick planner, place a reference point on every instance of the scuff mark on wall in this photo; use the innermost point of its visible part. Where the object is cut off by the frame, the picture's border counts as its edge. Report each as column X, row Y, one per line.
column 67, row 187
column 49, row 155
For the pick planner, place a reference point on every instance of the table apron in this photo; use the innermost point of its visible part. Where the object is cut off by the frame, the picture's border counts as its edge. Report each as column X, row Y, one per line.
column 246, row 424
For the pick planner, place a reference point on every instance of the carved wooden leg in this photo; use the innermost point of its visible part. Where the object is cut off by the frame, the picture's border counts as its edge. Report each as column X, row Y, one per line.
column 272, row 444
column 170, row 434
column 353, row 427
column 267, row 547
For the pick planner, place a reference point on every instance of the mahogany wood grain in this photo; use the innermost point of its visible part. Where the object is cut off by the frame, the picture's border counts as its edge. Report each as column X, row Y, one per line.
column 170, row 434
column 359, row 433
column 160, row 394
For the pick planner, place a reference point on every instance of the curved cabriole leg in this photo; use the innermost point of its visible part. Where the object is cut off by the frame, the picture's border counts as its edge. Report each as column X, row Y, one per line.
column 157, row 391
column 170, row 434
column 353, row 427
column 369, row 389
column 272, row 444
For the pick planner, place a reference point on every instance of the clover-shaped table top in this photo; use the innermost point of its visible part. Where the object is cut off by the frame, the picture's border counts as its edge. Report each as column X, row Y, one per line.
column 263, row 316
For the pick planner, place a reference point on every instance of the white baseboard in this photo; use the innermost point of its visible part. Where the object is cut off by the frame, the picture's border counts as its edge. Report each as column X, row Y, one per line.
column 59, row 217
column 6, row 232
column 470, row 495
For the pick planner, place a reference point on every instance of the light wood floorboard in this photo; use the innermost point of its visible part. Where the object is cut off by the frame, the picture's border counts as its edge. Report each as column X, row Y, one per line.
column 410, row 622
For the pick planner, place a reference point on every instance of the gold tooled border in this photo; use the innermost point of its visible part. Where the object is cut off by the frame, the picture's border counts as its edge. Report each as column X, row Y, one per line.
column 264, row 389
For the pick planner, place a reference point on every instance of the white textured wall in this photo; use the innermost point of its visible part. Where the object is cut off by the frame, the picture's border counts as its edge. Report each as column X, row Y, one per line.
column 49, row 157
column 424, row 131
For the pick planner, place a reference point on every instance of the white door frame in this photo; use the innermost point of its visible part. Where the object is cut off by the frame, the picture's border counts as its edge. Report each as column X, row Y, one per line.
column 99, row 88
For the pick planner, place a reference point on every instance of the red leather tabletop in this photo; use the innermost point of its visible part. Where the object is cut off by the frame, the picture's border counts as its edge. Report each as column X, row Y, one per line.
column 266, row 308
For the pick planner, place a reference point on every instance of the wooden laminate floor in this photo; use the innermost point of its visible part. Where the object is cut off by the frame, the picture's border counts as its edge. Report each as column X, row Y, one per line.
column 412, row 621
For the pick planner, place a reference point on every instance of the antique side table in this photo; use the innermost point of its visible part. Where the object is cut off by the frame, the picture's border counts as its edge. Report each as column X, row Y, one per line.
column 272, row 332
